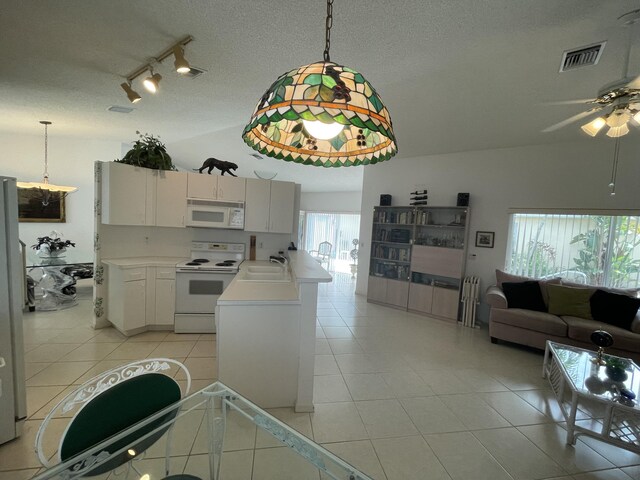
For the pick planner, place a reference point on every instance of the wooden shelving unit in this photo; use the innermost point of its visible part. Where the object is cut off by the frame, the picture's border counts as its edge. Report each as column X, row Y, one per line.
column 418, row 258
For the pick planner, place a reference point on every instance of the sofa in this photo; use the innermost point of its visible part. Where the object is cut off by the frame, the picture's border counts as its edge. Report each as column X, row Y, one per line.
column 572, row 325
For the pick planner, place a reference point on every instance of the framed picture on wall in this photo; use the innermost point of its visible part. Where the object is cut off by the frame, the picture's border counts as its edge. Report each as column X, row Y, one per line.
column 34, row 207
column 485, row 239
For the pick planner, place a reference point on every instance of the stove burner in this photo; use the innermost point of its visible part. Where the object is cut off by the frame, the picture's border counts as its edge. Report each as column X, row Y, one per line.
column 200, row 260
column 192, row 263
column 230, row 261
column 224, row 264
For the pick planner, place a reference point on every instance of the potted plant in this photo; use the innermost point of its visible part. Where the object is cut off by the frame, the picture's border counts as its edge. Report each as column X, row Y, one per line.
column 616, row 368
column 148, row 152
column 53, row 245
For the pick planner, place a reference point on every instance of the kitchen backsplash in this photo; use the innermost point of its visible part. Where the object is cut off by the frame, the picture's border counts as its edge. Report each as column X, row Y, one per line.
column 125, row 241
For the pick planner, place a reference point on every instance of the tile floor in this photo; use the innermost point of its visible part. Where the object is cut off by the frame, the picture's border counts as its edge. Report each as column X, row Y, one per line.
column 397, row 395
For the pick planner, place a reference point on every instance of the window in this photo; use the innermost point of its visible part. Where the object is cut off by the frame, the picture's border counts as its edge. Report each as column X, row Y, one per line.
column 590, row 249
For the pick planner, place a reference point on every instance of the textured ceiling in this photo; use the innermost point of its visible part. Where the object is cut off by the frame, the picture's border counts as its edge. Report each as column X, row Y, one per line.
column 456, row 75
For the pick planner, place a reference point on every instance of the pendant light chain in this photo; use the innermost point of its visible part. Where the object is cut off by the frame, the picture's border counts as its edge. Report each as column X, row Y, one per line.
column 614, row 169
column 329, row 24
column 46, row 153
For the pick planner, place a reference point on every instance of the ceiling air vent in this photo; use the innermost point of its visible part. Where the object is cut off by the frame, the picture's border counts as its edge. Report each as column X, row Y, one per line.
column 193, row 72
column 581, row 57
column 119, row 109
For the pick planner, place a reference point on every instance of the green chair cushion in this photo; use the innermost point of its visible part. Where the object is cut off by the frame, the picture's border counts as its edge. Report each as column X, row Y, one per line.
column 570, row 301
column 117, row 409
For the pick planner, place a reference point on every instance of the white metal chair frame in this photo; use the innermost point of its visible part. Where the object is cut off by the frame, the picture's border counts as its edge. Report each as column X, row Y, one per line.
column 322, row 254
column 89, row 390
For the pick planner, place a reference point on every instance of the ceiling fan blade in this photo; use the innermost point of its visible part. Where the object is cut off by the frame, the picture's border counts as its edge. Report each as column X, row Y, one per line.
column 570, row 120
column 635, row 83
column 584, row 101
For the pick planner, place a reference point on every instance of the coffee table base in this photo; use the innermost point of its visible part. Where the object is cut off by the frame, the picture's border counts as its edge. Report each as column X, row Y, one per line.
column 620, row 425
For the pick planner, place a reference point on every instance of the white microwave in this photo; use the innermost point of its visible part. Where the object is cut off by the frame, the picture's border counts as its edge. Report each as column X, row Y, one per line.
column 214, row 214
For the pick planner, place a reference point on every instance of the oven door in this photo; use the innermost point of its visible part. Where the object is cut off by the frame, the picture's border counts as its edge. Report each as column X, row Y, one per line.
column 198, row 292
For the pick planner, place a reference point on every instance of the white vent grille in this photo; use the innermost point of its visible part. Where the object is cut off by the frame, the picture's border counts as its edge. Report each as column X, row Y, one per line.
column 581, row 57
column 194, row 72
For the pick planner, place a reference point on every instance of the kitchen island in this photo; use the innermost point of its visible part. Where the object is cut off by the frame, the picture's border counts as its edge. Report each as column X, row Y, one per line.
column 265, row 332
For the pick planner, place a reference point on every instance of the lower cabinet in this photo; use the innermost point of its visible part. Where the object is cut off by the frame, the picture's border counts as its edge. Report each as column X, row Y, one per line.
column 440, row 302
column 141, row 298
column 165, row 296
column 126, row 305
column 388, row 291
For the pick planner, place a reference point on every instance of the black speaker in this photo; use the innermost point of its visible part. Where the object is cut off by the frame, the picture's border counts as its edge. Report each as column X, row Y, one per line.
column 463, row 200
column 385, row 200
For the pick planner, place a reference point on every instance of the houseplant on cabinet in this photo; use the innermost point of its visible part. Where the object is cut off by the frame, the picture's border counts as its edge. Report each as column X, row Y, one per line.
column 148, row 152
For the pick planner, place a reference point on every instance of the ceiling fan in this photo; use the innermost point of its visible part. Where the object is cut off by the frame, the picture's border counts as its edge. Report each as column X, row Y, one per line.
column 619, row 100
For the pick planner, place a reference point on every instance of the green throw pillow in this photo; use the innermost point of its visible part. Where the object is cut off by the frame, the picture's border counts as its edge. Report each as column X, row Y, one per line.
column 570, row 301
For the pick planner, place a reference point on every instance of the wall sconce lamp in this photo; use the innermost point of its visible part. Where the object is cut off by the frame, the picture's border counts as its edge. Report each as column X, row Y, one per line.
column 151, row 82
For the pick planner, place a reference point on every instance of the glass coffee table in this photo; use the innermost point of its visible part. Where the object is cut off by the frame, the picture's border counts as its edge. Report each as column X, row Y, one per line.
column 217, row 435
column 576, row 379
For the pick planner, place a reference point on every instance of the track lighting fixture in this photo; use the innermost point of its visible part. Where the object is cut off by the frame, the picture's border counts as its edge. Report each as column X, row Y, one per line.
column 180, row 63
column 132, row 95
column 151, row 83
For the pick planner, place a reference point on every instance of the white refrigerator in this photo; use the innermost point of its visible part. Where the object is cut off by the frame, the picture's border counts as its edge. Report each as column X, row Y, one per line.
column 13, row 399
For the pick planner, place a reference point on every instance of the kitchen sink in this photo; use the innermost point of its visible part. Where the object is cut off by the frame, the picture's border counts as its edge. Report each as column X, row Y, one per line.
column 266, row 274
column 265, row 269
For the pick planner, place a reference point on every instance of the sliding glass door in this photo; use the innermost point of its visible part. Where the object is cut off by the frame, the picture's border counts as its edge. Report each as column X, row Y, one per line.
column 339, row 230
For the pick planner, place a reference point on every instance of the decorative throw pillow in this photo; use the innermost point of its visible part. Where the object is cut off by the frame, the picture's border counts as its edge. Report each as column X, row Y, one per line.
column 614, row 309
column 526, row 295
column 570, row 301
column 502, row 277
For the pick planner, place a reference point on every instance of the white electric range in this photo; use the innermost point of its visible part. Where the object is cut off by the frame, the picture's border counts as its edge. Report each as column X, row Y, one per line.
column 201, row 280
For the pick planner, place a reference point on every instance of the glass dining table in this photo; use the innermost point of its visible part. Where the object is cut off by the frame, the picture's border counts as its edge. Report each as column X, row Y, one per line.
column 212, row 434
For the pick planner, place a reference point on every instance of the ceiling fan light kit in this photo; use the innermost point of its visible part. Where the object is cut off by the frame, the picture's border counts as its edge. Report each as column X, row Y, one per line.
column 152, row 82
column 322, row 114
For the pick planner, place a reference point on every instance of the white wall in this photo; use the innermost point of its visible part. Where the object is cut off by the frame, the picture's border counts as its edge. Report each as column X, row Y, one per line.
column 568, row 175
column 338, row 202
column 70, row 163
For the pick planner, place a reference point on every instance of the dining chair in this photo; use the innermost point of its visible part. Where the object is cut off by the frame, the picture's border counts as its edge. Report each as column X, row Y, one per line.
column 108, row 404
column 323, row 253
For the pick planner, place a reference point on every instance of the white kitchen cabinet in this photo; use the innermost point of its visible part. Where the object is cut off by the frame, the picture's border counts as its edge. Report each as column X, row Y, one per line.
column 256, row 207
column 164, row 296
column 126, row 305
column 127, row 195
column 201, row 186
column 215, row 187
column 281, row 207
column 231, row 189
column 171, row 198
column 269, row 206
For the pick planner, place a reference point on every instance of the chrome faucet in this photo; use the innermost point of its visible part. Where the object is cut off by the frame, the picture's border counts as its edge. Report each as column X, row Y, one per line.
column 282, row 261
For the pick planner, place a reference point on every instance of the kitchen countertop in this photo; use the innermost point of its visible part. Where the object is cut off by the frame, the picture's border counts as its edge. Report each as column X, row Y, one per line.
column 134, row 262
column 304, row 269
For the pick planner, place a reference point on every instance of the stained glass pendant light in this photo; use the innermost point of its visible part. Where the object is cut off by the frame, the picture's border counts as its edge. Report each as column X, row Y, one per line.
column 322, row 114
column 44, row 188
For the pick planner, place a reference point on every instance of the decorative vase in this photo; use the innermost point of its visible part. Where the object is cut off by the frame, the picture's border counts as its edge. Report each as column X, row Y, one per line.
column 45, row 252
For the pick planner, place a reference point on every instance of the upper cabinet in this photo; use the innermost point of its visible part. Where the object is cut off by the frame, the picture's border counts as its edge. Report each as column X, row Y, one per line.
column 141, row 196
column 269, row 206
column 281, row 207
column 127, row 195
column 256, row 206
column 215, row 187
column 171, row 198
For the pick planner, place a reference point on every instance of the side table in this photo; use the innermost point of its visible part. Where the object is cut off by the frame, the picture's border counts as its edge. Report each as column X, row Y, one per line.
column 574, row 379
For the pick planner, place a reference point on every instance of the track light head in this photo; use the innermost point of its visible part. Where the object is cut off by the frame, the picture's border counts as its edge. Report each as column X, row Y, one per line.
column 132, row 95
column 152, row 83
column 180, row 63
